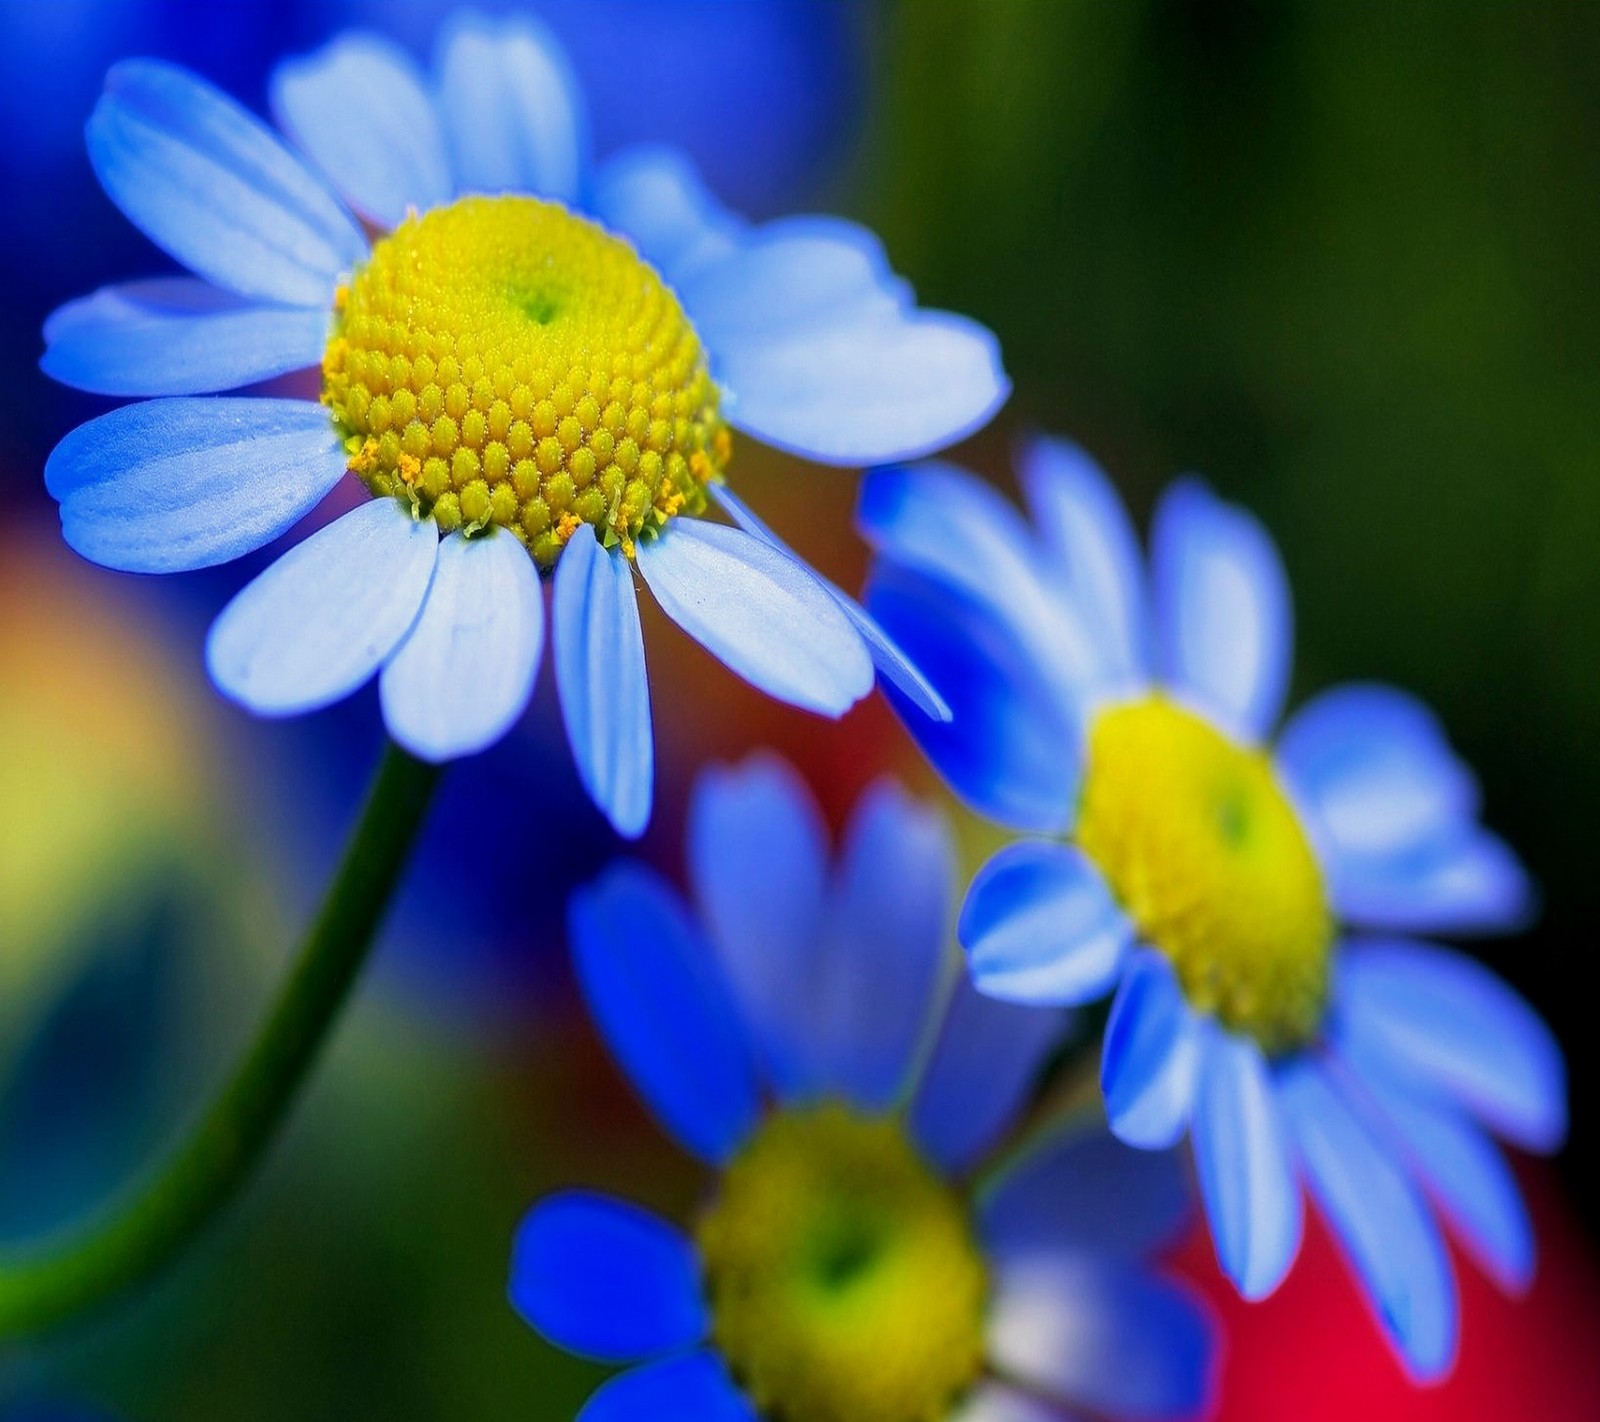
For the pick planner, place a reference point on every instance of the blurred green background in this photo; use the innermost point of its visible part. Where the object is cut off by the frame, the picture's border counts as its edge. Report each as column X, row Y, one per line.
column 1339, row 257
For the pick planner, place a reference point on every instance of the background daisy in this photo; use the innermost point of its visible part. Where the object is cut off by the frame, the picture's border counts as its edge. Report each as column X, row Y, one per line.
column 1227, row 891
column 855, row 1257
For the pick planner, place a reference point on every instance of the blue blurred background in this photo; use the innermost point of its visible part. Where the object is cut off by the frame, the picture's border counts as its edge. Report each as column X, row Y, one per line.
column 1340, row 258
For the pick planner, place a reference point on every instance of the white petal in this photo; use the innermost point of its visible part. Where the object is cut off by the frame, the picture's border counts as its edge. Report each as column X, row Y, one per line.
column 600, row 674
column 1041, row 926
column 464, row 674
column 1381, row 1222
column 1086, row 528
column 358, row 108
column 212, row 184
column 321, row 620
column 764, row 614
column 872, row 390
column 1222, row 608
column 1105, row 1333
column 887, row 655
column 166, row 486
column 177, row 336
column 513, row 109
column 654, row 197
column 1247, row 1174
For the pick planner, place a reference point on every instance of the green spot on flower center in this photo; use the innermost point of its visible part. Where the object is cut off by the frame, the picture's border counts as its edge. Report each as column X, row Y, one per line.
column 540, row 307
column 504, row 361
column 1207, row 855
column 844, row 1278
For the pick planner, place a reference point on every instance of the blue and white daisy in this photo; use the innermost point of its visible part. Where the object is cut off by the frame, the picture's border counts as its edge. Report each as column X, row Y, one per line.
column 531, row 356
column 1247, row 902
column 856, row 1260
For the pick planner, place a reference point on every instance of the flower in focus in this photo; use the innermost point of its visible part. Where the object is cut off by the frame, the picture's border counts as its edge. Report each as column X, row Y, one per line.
column 856, row 1260
column 1251, row 904
column 536, row 367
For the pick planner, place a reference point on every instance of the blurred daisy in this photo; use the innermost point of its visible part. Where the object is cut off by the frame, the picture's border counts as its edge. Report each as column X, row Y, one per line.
column 854, row 1261
column 540, row 374
column 1245, row 902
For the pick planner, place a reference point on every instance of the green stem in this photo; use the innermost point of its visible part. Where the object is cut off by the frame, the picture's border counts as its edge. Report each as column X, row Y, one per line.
column 61, row 1280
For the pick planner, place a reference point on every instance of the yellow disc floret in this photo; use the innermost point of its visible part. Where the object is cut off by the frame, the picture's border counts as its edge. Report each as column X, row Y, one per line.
column 1205, row 852
column 501, row 361
column 845, row 1282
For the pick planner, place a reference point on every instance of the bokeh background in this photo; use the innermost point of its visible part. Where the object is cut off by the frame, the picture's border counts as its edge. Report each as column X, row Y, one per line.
column 1342, row 258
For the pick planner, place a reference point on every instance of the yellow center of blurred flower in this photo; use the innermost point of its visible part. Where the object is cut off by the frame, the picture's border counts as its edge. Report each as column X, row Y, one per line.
column 1207, row 855
column 502, row 361
column 844, row 1278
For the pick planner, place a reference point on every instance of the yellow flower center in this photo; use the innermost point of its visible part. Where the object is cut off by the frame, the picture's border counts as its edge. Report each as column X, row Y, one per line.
column 1207, row 855
column 844, row 1278
column 502, row 361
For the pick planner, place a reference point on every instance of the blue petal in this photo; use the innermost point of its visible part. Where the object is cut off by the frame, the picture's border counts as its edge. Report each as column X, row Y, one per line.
column 1461, row 1169
column 1449, row 1026
column 762, row 613
column 172, row 485
column 757, row 851
column 655, row 198
column 1373, row 766
column 1241, row 1151
column 1104, row 1334
column 513, row 109
column 867, row 390
column 654, row 991
column 692, row 1388
column 1079, row 1188
column 1011, row 748
column 322, row 619
column 206, row 180
column 1152, row 1055
column 177, row 336
column 606, row 1280
column 936, row 519
column 600, row 674
column 892, row 663
column 1040, row 926
column 835, row 981
column 465, row 673
column 359, row 109
column 1467, row 883
column 1384, row 1226
column 1222, row 609
column 985, row 1064
column 875, row 976
column 1087, row 530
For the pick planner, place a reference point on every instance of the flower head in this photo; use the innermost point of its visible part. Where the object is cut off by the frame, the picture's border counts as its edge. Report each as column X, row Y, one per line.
column 1242, row 899
column 535, row 366
column 859, row 1257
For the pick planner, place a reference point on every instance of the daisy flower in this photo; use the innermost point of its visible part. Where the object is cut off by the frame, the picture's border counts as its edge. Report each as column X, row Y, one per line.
column 855, row 1259
column 1250, row 903
column 535, row 367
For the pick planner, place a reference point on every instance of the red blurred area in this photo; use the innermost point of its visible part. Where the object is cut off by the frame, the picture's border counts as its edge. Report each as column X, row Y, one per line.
column 1313, row 1351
